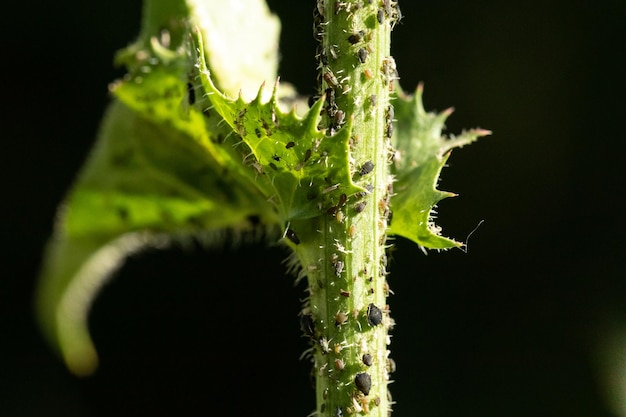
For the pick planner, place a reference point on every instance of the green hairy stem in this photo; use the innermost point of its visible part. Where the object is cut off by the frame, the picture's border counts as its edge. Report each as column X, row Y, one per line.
column 343, row 251
column 198, row 140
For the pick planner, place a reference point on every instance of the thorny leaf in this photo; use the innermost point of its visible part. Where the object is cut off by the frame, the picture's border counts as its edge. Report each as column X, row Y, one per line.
column 421, row 153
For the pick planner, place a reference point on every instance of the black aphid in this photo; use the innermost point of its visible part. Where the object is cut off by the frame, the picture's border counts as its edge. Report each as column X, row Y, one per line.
column 360, row 206
column 362, row 53
column 323, row 58
column 290, row 145
column 366, row 168
column 368, row 360
column 374, row 315
column 356, row 37
column 363, row 382
column 291, row 235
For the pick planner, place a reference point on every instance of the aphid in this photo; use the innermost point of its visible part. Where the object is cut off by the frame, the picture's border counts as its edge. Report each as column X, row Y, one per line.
column 330, row 97
column 341, row 318
column 324, row 58
column 273, row 166
column 352, row 230
column 389, row 130
column 360, row 206
column 391, row 366
column 330, row 189
column 290, row 145
column 307, row 325
column 258, row 168
column 257, row 132
column 339, row 118
column 363, row 382
column 344, row 293
column 191, row 93
column 338, row 267
column 368, row 360
column 390, row 113
column 366, row 168
column 374, row 315
column 398, row 14
column 380, row 16
column 330, row 79
column 368, row 73
column 356, row 37
column 339, row 216
column 266, row 126
column 324, row 344
column 387, row 6
column 320, row 7
column 276, row 158
column 333, row 53
column 339, row 364
column 362, row 53
column 291, row 235
column 373, row 100
column 332, row 210
column 307, row 155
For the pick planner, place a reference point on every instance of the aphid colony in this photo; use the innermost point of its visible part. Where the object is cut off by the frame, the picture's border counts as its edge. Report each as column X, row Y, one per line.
column 348, row 339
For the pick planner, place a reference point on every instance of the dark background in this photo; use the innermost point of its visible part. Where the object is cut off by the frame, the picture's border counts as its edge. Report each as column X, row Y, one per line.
column 515, row 327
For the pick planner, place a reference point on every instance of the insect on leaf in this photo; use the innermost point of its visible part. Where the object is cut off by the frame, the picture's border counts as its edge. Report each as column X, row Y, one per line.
column 299, row 168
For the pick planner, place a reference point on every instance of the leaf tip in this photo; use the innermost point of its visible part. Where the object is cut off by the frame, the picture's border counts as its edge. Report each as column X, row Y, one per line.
column 83, row 362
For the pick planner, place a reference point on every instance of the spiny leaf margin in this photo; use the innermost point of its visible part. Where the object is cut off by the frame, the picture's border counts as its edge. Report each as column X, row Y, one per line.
column 421, row 152
column 301, row 169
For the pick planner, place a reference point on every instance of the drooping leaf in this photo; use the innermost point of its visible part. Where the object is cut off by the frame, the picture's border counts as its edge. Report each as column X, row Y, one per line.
column 142, row 179
column 160, row 167
column 421, row 153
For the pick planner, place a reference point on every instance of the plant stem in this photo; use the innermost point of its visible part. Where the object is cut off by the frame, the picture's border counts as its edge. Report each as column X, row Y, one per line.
column 346, row 315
